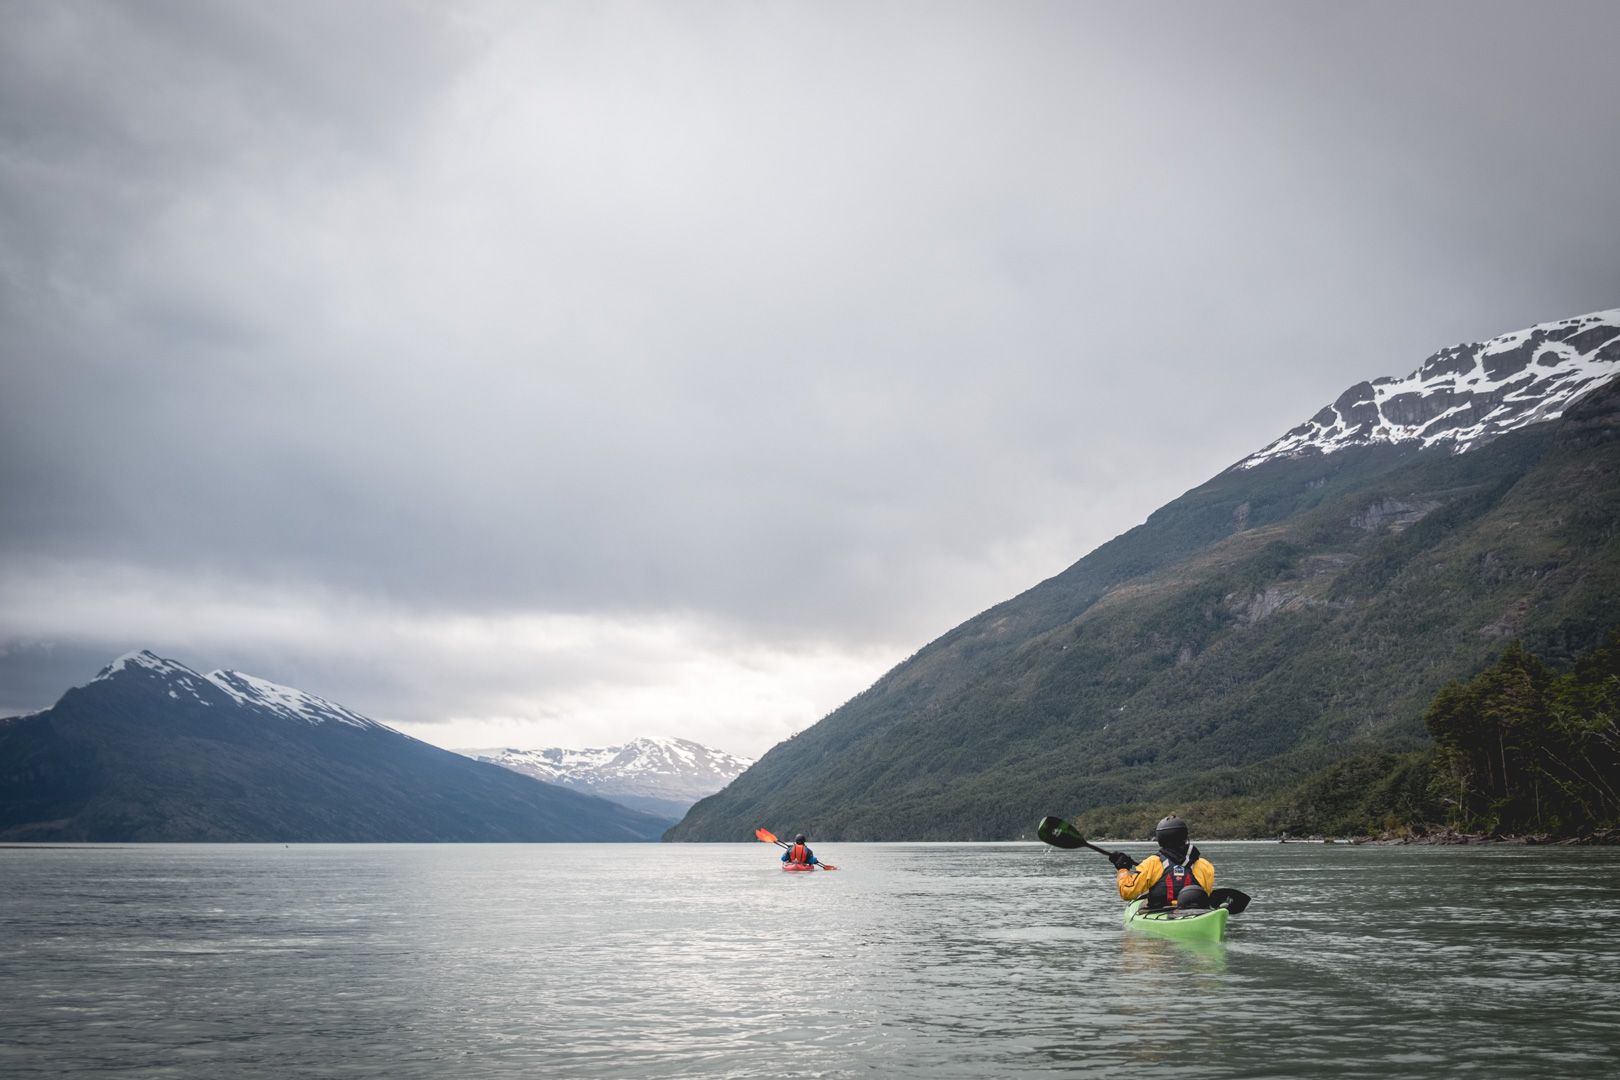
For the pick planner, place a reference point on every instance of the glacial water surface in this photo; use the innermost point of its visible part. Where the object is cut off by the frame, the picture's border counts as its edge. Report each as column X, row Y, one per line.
column 706, row 961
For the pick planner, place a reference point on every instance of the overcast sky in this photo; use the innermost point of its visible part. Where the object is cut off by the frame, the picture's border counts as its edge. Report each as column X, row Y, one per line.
column 557, row 373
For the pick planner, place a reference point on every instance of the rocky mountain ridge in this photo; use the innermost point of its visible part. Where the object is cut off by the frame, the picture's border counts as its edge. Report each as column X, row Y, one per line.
column 151, row 750
column 283, row 702
column 1466, row 395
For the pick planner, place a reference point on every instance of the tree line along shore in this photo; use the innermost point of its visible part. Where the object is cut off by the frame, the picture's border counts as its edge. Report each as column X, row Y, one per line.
column 1518, row 753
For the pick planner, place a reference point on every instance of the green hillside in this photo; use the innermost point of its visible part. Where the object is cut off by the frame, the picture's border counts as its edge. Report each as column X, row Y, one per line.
column 1259, row 628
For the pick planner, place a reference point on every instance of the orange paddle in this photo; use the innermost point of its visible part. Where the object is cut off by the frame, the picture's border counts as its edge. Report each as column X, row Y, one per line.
column 770, row 838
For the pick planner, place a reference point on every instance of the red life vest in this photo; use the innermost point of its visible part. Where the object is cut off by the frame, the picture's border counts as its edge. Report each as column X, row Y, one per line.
column 798, row 853
column 1177, row 876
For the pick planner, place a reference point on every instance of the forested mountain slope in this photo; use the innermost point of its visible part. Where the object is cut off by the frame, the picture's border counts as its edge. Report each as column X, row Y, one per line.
column 1289, row 612
column 152, row 750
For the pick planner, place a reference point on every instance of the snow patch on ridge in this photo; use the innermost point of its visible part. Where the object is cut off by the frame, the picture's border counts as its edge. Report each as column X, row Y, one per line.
column 1468, row 394
column 175, row 674
column 261, row 695
column 285, row 701
column 145, row 660
column 676, row 769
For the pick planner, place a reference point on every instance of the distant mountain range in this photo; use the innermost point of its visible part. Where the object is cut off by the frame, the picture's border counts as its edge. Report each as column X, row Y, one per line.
column 662, row 777
column 1302, row 606
column 152, row 750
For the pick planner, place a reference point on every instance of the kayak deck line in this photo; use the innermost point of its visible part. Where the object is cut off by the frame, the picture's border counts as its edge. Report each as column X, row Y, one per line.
column 1205, row 924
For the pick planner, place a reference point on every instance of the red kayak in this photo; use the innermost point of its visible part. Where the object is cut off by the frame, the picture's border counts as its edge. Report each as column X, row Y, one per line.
column 798, row 867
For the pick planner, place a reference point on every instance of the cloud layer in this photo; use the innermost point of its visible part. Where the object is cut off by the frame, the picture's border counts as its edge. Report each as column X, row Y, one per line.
column 595, row 370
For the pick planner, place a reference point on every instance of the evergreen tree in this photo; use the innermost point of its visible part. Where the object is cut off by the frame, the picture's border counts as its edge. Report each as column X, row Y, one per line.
column 1518, row 749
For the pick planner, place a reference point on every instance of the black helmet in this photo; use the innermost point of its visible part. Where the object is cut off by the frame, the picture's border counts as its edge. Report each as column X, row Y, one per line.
column 799, row 839
column 1171, row 833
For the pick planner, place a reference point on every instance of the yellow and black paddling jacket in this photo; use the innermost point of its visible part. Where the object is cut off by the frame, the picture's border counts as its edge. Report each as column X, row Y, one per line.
column 1150, row 878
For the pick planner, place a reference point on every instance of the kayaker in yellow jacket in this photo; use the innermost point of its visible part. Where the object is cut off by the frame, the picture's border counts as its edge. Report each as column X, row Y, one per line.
column 1177, row 876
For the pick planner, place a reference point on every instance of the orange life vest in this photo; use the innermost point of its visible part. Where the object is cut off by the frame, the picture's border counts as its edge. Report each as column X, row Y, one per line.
column 798, row 853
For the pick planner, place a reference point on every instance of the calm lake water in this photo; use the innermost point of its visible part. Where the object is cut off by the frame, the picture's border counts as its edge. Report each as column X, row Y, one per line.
column 920, row 960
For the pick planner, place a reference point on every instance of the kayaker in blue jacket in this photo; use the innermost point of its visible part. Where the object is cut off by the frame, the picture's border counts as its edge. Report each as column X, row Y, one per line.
column 1178, row 876
column 799, row 852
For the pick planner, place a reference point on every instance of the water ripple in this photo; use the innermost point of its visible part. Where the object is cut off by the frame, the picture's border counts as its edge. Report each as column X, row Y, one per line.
column 706, row 961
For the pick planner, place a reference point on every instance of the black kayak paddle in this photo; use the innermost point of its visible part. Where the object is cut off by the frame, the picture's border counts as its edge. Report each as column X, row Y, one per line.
column 1059, row 833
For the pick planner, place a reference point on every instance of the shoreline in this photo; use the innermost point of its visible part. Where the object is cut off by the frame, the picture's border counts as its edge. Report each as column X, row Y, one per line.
column 1449, row 838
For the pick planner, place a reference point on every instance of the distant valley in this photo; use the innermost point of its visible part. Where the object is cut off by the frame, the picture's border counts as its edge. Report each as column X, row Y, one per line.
column 659, row 776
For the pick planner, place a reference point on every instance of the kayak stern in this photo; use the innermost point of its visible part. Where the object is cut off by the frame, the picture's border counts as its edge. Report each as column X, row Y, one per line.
column 1208, row 924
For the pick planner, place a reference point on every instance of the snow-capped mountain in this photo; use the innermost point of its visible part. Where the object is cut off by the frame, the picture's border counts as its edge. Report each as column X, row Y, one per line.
column 255, row 693
column 1466, row 395
column 658, row 776
column 1266, row 623
column 151, row 750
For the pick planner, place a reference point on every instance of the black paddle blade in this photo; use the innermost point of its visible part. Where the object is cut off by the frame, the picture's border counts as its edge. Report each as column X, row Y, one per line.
column 1060, row 833
column 1230, row 899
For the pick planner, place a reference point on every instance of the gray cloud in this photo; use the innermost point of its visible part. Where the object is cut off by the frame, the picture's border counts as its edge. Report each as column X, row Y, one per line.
column 802, row 328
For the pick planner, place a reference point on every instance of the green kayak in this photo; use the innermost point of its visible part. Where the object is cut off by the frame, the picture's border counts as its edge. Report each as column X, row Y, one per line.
column 1207, row 924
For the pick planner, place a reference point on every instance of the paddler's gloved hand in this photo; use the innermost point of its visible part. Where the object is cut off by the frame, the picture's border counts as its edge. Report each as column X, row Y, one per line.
column 1122, row 861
